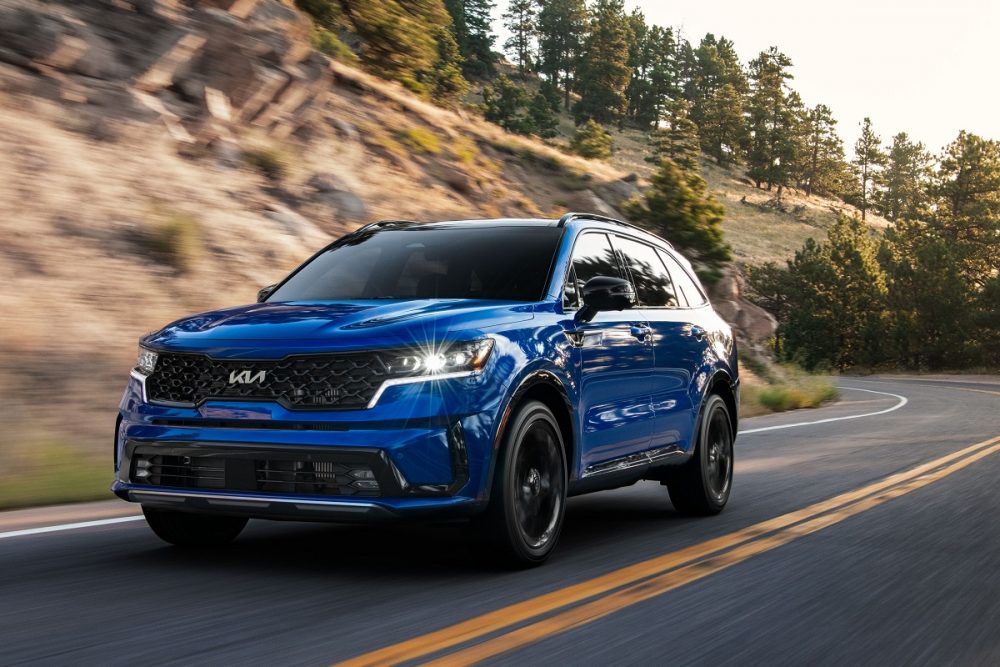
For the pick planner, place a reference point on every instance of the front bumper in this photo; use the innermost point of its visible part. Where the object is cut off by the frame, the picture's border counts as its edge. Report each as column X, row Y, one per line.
column 258, row 506
column 432, row 460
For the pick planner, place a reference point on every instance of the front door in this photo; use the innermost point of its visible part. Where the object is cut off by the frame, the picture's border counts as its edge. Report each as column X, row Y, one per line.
column 615, row 355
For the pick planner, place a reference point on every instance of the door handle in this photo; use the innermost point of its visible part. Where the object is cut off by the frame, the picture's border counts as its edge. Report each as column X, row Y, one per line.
column 643, row 333
column 698, row 332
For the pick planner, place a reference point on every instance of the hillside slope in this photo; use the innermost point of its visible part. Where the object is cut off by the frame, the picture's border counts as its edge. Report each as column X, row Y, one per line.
column 161, row 159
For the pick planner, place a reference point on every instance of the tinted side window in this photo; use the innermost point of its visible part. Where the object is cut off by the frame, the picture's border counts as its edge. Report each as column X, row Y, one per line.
column 592, row 256
column 652, row 282
column 688, row 290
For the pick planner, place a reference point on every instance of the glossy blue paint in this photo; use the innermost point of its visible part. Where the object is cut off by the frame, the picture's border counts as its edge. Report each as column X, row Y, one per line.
column 625, row 392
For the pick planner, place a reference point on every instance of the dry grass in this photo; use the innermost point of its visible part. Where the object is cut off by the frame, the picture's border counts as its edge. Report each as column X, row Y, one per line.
column 767, row 388
column 420, row 140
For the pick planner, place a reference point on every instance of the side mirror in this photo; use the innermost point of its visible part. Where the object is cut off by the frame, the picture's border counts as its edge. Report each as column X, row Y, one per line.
column 605, row 293
column 264, row 293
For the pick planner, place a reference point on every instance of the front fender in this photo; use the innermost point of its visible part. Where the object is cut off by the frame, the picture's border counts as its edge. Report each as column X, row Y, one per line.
column 542, row 357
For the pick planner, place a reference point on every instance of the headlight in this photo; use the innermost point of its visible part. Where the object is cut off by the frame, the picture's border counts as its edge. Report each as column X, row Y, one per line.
column 147, row 361
column 462, row 357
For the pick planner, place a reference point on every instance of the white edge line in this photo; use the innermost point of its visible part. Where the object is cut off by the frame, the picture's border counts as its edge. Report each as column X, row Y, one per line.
column 69, row 526
column 902, row 401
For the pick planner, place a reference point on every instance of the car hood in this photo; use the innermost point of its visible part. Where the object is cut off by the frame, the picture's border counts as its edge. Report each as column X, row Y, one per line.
column 336, row 325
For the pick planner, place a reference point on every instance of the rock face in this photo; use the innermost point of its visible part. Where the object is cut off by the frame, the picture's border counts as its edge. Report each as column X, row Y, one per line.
column 751, row 321
column 253, row 55
column 620, row 191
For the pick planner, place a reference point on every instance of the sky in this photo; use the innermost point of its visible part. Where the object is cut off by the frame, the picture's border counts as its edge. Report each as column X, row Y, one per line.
column 928, row 68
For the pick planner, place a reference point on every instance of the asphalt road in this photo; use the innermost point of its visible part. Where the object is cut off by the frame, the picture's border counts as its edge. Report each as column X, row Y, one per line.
column 830, row 552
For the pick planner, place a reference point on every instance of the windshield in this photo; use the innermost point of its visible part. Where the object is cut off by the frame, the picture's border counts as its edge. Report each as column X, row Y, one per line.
column 427, row 262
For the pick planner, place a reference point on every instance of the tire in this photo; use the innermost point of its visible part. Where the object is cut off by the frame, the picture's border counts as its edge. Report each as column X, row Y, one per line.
column 701, row 487
column 528, row 498
column 186, row 529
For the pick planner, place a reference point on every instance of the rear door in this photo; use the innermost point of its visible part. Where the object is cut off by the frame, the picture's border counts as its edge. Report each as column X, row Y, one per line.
column 616, row 362
column 679, row 346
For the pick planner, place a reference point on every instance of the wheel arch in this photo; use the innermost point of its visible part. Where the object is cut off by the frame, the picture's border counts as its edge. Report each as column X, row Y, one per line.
column 722, row 385
column 545, row 387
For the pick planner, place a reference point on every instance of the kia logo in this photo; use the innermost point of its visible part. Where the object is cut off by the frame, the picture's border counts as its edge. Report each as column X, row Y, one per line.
column 246, row 377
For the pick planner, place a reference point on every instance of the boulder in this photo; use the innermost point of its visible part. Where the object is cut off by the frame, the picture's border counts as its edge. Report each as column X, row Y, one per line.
column 620, row 191
column 327, row 183
column 334, row 192
column 729, row 287
column 453, row 177
column 346, row 204
column 291, row 222
column 756, row 323
column 750, row 320
column 586, row 201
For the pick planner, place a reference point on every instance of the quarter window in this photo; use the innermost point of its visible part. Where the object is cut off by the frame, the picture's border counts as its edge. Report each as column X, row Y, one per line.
column 688, row 290
column 652, row 282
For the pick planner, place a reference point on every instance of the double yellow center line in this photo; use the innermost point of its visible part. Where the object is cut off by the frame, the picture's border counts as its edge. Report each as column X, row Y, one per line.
column 527, row 622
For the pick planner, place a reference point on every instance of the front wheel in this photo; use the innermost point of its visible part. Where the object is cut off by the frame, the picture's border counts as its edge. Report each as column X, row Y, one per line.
column 528, row 500
column 702, row 485
column 188, row 529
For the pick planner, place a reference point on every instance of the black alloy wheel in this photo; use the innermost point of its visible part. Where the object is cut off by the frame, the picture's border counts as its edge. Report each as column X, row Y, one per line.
column 702, row 485
column 528, row 498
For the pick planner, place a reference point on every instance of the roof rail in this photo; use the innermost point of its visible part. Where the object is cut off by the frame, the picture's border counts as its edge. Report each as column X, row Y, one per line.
column 603, row 218
column 384, row 223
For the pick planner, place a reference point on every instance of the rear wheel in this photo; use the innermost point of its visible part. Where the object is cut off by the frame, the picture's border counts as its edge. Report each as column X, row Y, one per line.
column 702, row 485
column 528, row 500
column 188, row 529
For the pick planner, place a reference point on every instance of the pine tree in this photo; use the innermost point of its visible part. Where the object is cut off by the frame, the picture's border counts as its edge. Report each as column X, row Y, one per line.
column 836, row 303
column 903, row 184
column 561, row 28
column 641, row 103
column 506, row 104
column 399, row 39
column 592, row 140
column 966, row 190
column 604, row 74
column 822, row 157
column 929, row 302
column 474, row 33
column 521, row 19
column 772, row 122
column 723, row 127
column 543, row 112
column 663, row 75
column 677, row 140
column 448, row 83
column 679, row 207
column 868, row 159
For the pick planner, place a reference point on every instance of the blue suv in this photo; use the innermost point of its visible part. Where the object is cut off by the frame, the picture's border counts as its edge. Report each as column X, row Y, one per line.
column 484, row 370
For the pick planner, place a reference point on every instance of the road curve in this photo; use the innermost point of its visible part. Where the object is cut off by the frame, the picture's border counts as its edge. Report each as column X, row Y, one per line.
column 869, row 539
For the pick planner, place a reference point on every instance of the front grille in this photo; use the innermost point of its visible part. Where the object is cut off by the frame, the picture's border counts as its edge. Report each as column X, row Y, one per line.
column 347, row 380
column 287, row 473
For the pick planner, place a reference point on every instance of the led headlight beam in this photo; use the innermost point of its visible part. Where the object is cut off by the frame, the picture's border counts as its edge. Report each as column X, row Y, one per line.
column 145, row 364
column 146, row 361
column 458, row 361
